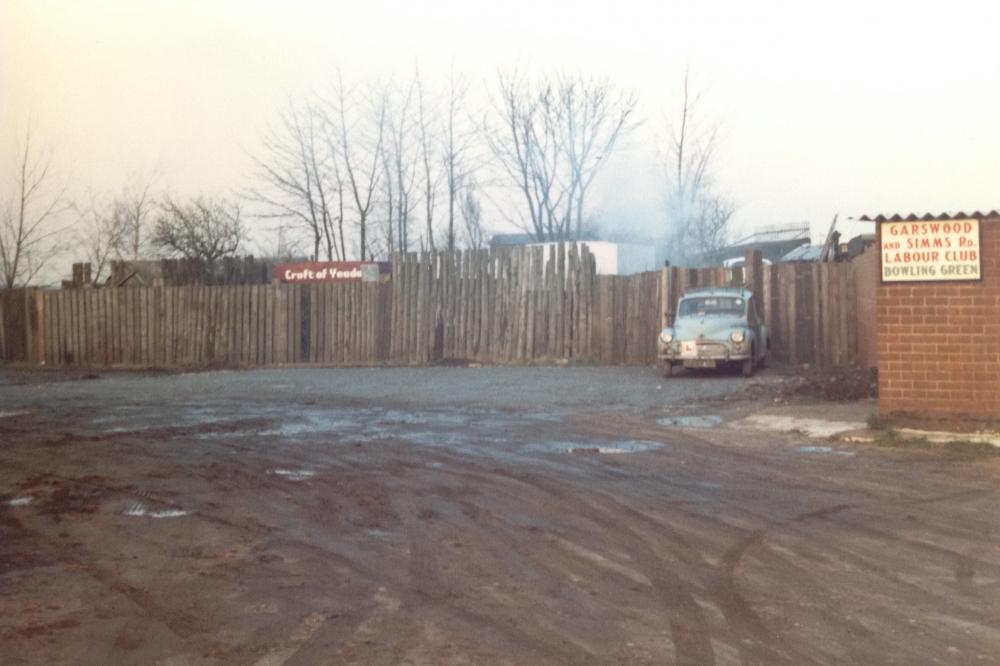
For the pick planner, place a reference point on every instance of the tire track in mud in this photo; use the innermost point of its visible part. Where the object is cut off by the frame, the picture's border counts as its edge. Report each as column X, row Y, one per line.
column 688, row 623
column 928, row 553
column 505, row 545
column 183, row 625
column 435, row 596
column 964, row 566
column 686, row 619
column 757, row 641
column 727, row 584
column 735, row 606
column 416, row 582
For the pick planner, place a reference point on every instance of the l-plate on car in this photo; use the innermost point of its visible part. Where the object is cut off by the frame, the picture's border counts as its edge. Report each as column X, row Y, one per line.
column 715, row 326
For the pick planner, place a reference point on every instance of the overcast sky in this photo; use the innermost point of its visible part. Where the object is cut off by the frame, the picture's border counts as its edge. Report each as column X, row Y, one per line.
column 825, row 107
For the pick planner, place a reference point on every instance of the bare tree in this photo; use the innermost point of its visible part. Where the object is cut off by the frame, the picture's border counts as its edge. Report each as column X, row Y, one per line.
column 282, row 242
column 697, row 216
column 710, row 223
column 204, row 228
column 302, row 178
column 133, row 210
column 29, row 233
column 428, row 142
column 459, row 140
column 514, row 145
column 596, row 115
column 551, row 140
column 399, row 161
column 102, row 230
column 359, row 144
column 471, row 211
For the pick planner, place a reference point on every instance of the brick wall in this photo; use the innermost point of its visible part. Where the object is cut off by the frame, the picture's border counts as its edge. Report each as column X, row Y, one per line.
column 939, row 342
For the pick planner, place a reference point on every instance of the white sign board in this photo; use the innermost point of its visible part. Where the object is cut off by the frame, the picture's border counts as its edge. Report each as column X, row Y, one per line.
column 930, row 251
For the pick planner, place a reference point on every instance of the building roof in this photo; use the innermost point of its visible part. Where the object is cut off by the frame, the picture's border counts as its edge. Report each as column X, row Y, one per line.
column 512, row 239
column 928, row 217
column 804, row 253
column 775, row 235
column 504, row 240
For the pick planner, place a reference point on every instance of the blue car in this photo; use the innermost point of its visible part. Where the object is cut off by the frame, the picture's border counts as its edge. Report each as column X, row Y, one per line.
column 712, row 327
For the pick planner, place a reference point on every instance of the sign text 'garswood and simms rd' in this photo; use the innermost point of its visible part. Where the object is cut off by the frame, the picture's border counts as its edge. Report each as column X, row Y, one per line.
column 928, row 251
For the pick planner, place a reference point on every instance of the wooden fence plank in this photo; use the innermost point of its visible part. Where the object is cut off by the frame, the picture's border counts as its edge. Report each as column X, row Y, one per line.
column 842, row 314
column 851, row 309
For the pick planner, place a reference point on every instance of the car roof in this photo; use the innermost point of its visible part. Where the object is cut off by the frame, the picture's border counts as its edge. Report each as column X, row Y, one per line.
column 718, row 291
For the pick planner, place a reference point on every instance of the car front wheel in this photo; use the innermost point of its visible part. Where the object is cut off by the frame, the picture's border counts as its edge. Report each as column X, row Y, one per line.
column 748, row 367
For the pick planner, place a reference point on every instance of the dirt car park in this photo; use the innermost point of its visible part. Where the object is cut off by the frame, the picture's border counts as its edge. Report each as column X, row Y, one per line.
column 479, row 515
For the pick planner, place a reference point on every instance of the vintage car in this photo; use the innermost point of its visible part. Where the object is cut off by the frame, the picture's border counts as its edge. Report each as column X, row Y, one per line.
column 715, row 326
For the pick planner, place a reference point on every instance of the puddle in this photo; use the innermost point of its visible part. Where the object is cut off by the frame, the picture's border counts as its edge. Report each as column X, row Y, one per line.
column 21, row 501
column 365, row 422
column 16, row 412
column 824, row 449
column 312, row 423
column 472, row 432
column 140, row 510
column 441, row 419
column 135, row 420
column 377, row 533
column 690, row 421
column 597, row 448
column 293, row 474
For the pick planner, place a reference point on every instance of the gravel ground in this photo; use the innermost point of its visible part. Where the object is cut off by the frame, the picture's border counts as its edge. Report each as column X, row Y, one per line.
column 509, row 387
column 560, row 515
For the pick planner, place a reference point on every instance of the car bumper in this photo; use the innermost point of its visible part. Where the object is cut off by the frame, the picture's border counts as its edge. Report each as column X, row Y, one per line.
column 709, row 351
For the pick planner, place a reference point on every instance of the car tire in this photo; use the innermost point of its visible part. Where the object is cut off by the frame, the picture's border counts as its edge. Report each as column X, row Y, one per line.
column 668, row 369
column 748, row 367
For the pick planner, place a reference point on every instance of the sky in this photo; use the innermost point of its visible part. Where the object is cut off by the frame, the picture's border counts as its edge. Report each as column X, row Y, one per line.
column 823, row 108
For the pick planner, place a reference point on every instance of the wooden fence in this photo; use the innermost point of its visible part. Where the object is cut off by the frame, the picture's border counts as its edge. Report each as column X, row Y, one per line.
column 524, row 306
column 19, row 325
column 811, row 310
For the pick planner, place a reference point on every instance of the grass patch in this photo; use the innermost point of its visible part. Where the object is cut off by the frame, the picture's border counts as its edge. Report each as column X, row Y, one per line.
column 954, row 450
column 877, row 422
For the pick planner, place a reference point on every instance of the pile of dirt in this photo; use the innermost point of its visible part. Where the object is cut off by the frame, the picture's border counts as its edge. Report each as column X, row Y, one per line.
column 803, row 383
column 843, row 384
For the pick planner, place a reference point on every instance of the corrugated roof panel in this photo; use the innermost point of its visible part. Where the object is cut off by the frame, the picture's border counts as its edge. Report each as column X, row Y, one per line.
column 774, row 235
column 928, row 217
column 804, row 253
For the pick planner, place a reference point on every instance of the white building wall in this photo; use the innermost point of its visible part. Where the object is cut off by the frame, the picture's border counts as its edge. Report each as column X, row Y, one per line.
column 614, row 258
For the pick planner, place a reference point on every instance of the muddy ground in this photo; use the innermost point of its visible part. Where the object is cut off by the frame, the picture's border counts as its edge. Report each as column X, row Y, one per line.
column 475, row 516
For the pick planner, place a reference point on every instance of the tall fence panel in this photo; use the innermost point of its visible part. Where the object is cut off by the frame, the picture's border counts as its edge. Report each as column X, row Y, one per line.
column 866, row 278
column 21, row 328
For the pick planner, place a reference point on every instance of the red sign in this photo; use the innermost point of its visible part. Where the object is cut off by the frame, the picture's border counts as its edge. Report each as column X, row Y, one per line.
column 332, row 271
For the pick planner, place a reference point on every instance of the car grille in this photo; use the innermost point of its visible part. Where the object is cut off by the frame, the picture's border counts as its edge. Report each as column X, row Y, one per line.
column 711, row 349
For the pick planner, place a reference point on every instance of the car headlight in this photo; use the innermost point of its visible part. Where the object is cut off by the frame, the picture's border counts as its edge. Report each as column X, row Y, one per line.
column 736, row 336
column 666, row 336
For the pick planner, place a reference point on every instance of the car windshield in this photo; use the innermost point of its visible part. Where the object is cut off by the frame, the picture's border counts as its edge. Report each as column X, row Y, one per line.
column 700, row 306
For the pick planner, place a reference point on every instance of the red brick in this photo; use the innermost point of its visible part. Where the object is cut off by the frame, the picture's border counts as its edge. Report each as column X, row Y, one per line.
column 939, row 343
